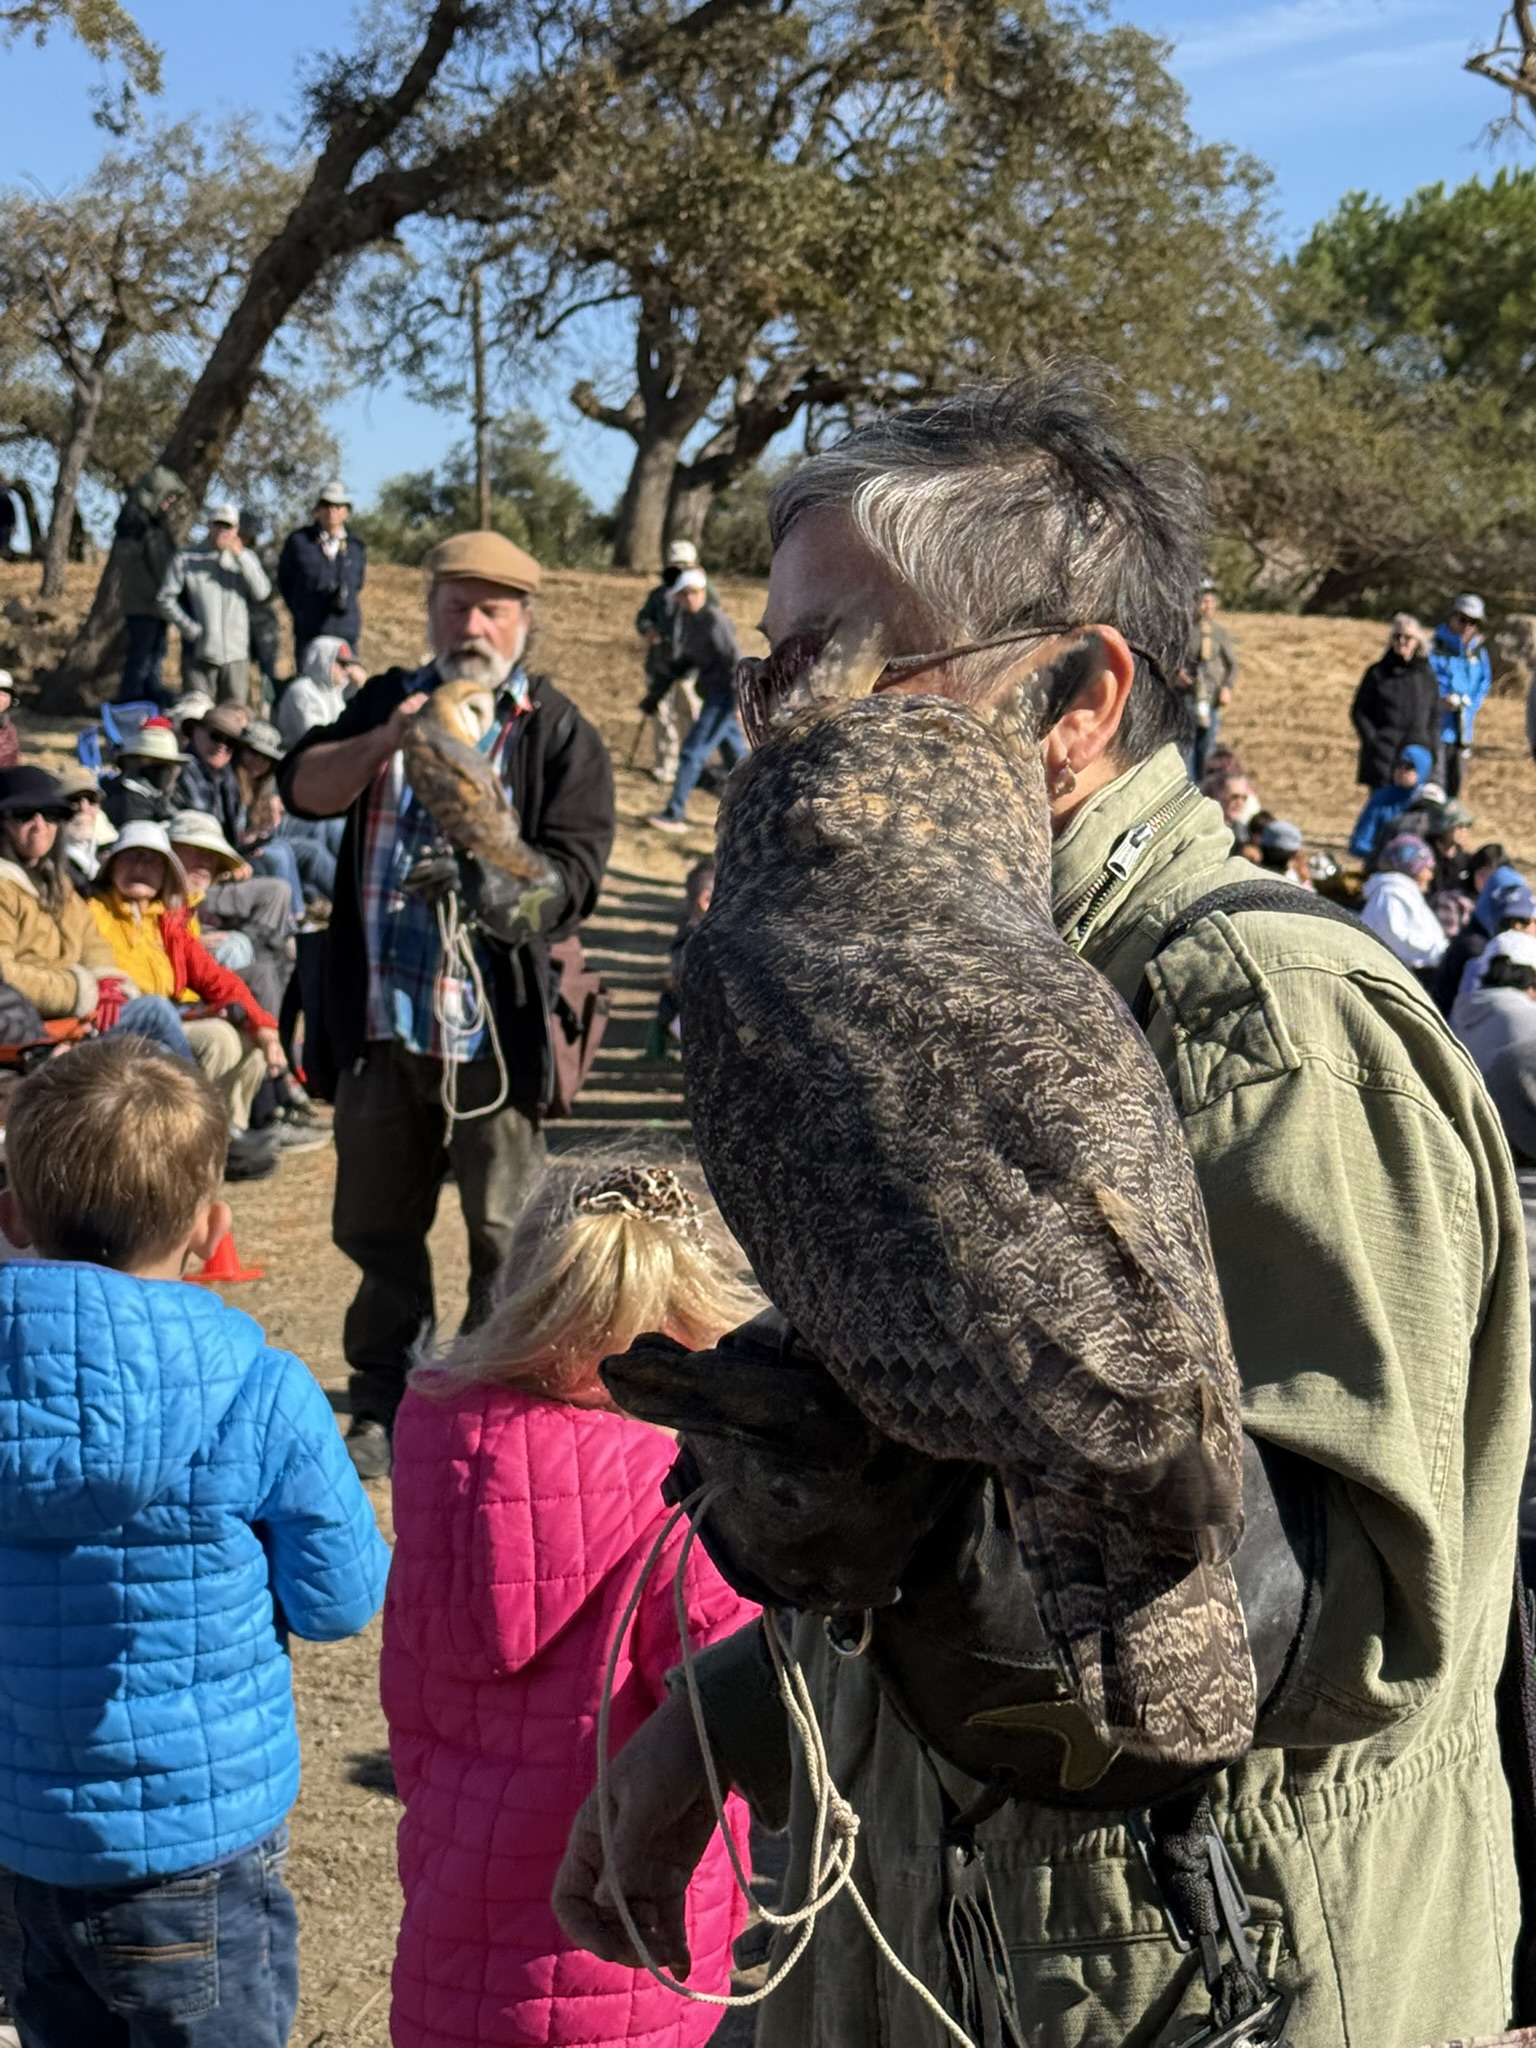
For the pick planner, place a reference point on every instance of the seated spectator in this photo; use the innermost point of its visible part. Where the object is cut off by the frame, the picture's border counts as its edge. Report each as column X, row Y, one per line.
column 1443, row 824
column 177, row 1499
column 1282, row 852
column 1488, row 871
column 208, row 781
column 1221, row 761
column 305, row 863
column 139, row 903
column 229, row 904
column 51, row 951
column 10, row 739
column 1387, row 802
column 88, row 828
column 1396, row 903
column 139, row 788
column 1234, row 792
column 1501, row 1010
column 666, row 1026
column 321, row 690
column 1507, row 904
column 1511, row 1079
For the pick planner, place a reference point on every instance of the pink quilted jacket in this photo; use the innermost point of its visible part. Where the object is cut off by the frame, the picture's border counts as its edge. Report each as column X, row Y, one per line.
column 520, row 1526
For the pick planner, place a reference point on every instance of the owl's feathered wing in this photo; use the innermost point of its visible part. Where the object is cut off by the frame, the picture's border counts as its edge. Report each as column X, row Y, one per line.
column 957, row 1170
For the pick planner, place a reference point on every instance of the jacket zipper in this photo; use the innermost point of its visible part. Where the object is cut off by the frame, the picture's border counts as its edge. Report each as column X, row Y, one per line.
column 1124, row 858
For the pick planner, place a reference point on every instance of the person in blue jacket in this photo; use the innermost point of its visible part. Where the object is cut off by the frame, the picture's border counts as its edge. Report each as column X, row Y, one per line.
column 1383, row 806
column 1459, row 658
column 174, row 1497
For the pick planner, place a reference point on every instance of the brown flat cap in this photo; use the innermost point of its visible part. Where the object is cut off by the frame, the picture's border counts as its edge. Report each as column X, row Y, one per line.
column 490, row 556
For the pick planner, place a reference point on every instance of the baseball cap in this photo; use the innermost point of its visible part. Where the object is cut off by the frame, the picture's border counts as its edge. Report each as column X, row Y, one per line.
column 1517, row 946
column 1281, row 836
column 334, row 493
column 224, row 515
column 1469, row 605
column 682, row 554
column 1512, row 899
column 691, row 579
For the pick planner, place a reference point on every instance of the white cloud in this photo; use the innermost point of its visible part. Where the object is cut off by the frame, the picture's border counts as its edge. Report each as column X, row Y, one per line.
column 1291, row 25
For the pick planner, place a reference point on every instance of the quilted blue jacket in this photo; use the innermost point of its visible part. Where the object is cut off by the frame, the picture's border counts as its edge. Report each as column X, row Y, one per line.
column 164, row 1475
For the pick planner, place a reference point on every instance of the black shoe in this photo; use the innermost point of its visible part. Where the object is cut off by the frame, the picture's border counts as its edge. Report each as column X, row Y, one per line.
column 252, row 1155
column 368, row 1448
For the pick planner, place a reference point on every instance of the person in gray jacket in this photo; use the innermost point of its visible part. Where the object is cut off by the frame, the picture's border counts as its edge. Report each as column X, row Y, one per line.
column 207, row 594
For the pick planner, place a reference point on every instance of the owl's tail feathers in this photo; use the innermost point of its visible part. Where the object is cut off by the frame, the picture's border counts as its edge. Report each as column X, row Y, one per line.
column 1149, row 1631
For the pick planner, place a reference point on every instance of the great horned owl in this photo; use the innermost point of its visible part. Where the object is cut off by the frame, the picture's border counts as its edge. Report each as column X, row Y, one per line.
column 957, row 1170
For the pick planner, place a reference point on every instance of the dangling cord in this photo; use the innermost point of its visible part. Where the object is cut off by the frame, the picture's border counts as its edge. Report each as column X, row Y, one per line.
column 836, row 1825
column 459, row 963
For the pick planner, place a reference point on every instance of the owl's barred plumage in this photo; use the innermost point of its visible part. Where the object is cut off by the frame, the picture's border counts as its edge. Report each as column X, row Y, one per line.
column 957, row 1170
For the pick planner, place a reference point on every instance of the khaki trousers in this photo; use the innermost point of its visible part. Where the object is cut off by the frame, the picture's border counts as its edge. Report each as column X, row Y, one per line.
column 234, row 1065
column 674, row 715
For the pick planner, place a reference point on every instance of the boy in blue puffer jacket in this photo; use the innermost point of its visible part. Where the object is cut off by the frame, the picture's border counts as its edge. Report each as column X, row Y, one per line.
column 173, row 1492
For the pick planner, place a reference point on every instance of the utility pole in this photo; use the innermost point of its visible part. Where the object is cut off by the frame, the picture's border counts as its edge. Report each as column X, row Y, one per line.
column 482, row 417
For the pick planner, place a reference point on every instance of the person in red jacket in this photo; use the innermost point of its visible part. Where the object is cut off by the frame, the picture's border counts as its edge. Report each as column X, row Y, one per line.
column 139, row 903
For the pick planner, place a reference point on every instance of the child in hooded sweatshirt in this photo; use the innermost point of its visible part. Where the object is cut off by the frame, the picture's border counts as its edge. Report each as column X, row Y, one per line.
column 173, row 1495
column 524, row 1508
column 1384, row 805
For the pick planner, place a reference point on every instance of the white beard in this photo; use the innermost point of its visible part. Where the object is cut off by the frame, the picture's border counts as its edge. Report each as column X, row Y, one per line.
column 475, row 665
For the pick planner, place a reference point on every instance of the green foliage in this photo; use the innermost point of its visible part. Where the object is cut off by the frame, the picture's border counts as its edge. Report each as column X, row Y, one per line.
column 533, row 502
column 106, row 29
column 1381, row 451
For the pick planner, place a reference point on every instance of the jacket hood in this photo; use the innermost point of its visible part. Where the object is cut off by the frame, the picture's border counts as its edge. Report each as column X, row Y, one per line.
column 156, row 485
column 320, row 659
column 109, row 1386
column 1421, row 761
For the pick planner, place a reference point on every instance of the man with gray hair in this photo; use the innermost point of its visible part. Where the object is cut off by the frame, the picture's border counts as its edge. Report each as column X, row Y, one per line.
column 1346, row 1153
column 410, row 1028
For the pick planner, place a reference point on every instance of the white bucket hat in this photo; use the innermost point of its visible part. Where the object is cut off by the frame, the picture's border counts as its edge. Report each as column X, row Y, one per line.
column 153, row 838
column 202, row 830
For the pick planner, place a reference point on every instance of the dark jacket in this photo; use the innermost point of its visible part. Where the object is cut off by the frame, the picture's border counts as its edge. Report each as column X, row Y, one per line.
column 704, row 644
column 1397, row 705
column 215, row 790
column 560, row 780
column 322, row 594
column 128, row 800
column 149, row 545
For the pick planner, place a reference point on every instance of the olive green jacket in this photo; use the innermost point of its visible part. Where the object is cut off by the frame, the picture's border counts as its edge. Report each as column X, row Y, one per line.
column 1369, row 1239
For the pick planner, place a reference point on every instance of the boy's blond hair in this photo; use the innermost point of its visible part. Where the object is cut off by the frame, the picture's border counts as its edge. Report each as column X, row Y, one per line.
column 111, row 1149
column 601, row 1254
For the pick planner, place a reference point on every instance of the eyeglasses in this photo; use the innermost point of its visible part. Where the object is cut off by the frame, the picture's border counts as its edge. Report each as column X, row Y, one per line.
column 31, row 817
column 764, row 685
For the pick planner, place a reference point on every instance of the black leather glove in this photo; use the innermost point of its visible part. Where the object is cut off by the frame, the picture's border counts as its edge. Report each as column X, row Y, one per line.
column 510, row 909
column 654, row 697
column 819, row 1510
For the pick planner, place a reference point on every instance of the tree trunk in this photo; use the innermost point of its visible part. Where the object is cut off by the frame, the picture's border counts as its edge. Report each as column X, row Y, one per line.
column 641, row 522
column 689, row 508
column 21, row 489
column 84, row 407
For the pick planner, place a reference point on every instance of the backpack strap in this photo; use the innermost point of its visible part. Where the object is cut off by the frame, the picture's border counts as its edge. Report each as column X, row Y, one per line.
column 1231, row 899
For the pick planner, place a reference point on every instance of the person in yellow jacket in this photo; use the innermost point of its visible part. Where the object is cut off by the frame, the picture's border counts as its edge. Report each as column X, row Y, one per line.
column 137, row 903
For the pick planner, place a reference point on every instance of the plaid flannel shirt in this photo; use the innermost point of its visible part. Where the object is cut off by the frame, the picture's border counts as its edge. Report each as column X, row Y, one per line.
column 406, row 982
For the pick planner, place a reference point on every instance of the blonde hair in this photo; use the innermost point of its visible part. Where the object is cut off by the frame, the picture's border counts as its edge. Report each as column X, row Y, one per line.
column 111, row 1149
column 602, row 1253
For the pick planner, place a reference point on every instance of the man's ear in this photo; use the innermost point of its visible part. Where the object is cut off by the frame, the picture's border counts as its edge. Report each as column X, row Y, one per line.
column 12, row 1223
column 1087, row 729
column 213, row 1220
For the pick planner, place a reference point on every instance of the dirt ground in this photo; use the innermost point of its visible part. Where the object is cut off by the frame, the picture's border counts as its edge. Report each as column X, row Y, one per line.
column 1289, row 721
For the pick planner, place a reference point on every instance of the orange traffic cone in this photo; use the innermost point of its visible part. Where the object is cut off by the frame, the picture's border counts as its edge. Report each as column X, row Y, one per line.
column 223, row 1265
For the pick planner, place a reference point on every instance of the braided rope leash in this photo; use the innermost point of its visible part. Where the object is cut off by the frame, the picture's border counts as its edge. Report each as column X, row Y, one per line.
column 836, row 1828
column 461, row 1029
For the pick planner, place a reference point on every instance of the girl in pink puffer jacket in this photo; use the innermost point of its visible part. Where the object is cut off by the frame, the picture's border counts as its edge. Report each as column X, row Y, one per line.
column 524, row 1506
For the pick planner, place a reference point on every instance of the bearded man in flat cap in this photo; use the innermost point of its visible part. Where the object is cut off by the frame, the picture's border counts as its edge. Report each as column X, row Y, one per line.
column 397, row 1010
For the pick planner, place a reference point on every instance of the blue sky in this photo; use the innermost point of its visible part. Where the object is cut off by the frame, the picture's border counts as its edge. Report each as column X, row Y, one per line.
column 1334, row 95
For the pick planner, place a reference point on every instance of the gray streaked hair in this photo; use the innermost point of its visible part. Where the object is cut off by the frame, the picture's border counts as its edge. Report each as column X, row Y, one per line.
column 1405, row 622
column 1007, row 505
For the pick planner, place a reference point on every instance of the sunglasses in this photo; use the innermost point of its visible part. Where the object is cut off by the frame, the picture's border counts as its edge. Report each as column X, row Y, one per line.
column 33, row 816
column 766, row 684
